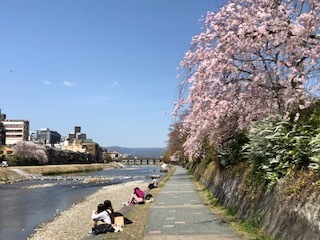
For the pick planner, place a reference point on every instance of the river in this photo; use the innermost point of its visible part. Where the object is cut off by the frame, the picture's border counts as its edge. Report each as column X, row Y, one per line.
column 26, row 205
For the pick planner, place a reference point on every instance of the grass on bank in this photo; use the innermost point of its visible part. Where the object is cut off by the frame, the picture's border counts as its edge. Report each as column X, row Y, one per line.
column 139, row 215
column 7, row 175
column 249, row 229
column 63, row 169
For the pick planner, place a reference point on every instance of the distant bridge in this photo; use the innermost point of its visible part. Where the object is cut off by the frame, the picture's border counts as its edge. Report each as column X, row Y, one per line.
column 140, row 161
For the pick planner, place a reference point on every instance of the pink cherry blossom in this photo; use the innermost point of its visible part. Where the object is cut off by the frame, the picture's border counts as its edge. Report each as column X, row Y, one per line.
column 254, row 58
column 30, row 150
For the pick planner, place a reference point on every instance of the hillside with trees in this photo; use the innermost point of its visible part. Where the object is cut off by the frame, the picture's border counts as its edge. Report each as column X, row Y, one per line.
column 138, row 152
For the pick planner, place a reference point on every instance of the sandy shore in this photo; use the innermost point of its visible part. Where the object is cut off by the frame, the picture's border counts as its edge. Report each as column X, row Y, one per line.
column 75, row 222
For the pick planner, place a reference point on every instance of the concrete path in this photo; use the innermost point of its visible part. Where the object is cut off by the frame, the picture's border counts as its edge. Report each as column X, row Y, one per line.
column 179, row 213
column 21, row 172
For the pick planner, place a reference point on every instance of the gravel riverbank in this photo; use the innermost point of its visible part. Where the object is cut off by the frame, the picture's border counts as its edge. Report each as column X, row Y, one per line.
column 75, row 222
column 20, row 173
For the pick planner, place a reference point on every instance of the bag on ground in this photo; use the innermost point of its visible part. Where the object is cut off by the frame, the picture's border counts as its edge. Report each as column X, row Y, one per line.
column 103, row 228
column 148, row 196
column 127, row 221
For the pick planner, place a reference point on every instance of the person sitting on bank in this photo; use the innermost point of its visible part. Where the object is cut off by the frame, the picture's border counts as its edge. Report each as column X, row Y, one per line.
column 136, row 197
column 102, row 219
column 153, row 183
column 109, row 209
column 100, row 216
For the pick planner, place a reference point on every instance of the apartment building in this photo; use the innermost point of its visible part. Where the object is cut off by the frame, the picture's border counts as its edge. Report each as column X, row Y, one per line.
column 92, row 148
column 74, row 145
column 15, row 131
column 45, row 136
column 77, row 142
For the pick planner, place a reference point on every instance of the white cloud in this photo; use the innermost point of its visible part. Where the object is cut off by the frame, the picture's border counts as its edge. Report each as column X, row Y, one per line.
column 45, row 82
column 68, row 84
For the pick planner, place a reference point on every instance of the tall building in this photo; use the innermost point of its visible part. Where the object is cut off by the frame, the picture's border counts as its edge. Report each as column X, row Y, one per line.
column 45, row 136
column 77, row 134
column 2, row 134
column 16, row 130
column 34, row 135
column 2, row 116
column 49, row 137
column 13, row 130
column 77, row 129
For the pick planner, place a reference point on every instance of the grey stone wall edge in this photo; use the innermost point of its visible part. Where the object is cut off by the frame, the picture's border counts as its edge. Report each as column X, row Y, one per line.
column 278, row 218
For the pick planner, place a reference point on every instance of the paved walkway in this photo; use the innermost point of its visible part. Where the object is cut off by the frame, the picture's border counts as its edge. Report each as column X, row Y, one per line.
column 21, row 172
column 179, row 213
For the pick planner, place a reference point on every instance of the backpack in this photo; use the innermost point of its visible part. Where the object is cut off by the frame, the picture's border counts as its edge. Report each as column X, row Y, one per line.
column 127, row 221
column 148, row 196
column 151, row 185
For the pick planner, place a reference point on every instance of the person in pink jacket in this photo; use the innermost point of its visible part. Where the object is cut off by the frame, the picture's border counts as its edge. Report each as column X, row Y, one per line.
column 136, row 197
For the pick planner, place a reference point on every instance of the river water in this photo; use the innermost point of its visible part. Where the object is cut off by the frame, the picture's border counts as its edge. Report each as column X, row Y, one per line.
column 25, row 205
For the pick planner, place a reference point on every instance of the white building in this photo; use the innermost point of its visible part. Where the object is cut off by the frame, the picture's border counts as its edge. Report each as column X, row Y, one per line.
column 16, row 130
column 115, row 155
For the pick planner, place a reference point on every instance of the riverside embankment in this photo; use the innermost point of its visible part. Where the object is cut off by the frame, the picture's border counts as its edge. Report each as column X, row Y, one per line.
column 18, row 173
column 40, row 201
column 289, row 210
column 75, row 222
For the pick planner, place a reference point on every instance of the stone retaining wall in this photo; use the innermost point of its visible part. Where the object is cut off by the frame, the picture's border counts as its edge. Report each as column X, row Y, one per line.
column 280, row 216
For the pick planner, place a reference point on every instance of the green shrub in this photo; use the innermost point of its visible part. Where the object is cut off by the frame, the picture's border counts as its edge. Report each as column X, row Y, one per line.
column 231, row 211
column 276, row 145
column 208, row 154
column 231, row 151
column 250, row 225
column 309, row 116
column 309, row 122
column 315, row 149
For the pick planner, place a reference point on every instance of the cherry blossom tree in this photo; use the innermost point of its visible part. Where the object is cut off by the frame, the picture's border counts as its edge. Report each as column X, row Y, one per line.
column 253, row 59
column 176, row 141
column 29, row 150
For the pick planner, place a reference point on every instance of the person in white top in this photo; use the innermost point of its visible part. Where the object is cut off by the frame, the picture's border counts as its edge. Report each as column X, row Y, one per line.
column 101, row 215
column 153, row 184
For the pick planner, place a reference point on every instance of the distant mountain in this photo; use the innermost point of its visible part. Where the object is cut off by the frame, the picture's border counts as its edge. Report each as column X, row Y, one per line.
column 138, row 152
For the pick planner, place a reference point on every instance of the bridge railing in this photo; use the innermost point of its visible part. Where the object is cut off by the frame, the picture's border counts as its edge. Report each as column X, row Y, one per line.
column 140, row 161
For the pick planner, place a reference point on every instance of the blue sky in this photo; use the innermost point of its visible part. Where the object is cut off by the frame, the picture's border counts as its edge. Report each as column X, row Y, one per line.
column 109, row 66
